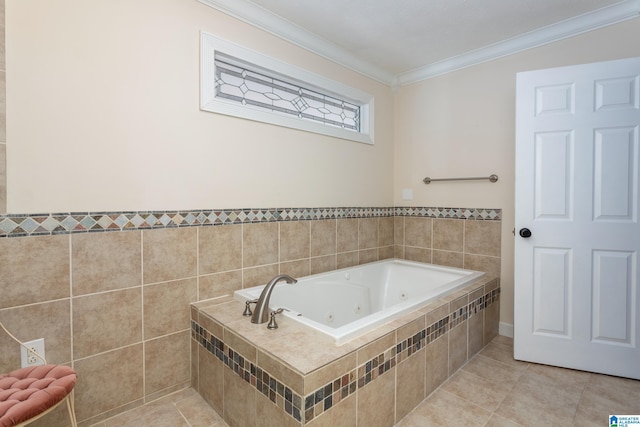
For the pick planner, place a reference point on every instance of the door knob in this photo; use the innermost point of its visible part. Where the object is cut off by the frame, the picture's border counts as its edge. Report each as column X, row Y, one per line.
column 525, row 232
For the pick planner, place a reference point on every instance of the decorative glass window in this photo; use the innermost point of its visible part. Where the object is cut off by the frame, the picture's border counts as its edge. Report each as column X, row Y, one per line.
column 243, row 83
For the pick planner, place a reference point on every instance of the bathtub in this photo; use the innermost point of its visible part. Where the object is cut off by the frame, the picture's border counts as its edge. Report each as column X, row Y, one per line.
column 349, row 302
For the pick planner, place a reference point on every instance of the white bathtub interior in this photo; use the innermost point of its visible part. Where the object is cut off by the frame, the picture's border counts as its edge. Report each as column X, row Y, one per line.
column 349, row 302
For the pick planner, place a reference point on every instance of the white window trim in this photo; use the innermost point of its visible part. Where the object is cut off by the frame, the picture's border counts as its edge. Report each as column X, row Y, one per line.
column 209, row 44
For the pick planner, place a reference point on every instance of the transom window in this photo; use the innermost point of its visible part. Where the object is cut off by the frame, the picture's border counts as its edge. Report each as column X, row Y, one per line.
column 242, row 83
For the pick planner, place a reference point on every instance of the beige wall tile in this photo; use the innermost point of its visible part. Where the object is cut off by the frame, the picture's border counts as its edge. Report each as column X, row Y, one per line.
column 294, row 240
column 323, row 237
column 270, row 415
column 385, row 231
column 49, row 320
column 417, row 254
column 376, row 401
column 476, row 334
column 212, row 369
column 3, row 177
column 457, row 347
column 295, row 269
column 490, row 265
column 450, row 259
column 448, row 234
column 482, row 237
column 260, row 244
column 239, row 401
column 367, row 233
column 106, row 261
column 341, row 415
column 386, row 252
column 34, row 269
column 59, row 417
column 108, row 381
column 417, row 232
column 347, row 235
column 437, row 362
column 347, row 259
column 322, row 264
column 219, row 248
column 398, row 230
column 194, row 363
column 367, row 255
column 259, row 275
column 169, row 254
column 102, row 322
column 166, row 307
column 166, row 362
column 410, row 383
column 398, row 251
column 216, row 285
column 491, row 322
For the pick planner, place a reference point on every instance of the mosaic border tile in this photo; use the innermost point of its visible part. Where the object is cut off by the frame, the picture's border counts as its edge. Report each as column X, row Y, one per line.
column 21, row 225
column 325, row 397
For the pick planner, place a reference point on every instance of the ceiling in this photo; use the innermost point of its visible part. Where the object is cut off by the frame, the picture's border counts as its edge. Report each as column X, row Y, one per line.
column 402, row 41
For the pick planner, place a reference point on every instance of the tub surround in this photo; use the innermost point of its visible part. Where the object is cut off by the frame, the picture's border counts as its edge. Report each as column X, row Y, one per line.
column 110, row 292
column 300, row 377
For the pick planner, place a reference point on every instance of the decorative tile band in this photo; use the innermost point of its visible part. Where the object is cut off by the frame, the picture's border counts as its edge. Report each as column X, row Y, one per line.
column 20, row 225
column 330, row 394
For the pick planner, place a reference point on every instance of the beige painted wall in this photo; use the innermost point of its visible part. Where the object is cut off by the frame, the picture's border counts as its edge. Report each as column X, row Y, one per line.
column 463, row 124
column 103, row 114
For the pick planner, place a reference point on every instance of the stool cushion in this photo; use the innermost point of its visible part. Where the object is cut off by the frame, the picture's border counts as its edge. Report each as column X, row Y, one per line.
column 27, row 392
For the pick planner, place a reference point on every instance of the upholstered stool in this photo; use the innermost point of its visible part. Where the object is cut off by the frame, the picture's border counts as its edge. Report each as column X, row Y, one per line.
column 31, row 392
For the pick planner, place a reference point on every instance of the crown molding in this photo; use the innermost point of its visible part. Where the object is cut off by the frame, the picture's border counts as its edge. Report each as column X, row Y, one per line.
column 267, row 21
column 271, row 23
column 568, row 28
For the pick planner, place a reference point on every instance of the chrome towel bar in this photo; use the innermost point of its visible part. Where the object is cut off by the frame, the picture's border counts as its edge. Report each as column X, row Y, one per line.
column 492, row 178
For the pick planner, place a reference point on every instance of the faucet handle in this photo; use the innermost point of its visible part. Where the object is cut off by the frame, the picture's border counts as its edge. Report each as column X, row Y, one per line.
column 247, row 307
column 272, row 323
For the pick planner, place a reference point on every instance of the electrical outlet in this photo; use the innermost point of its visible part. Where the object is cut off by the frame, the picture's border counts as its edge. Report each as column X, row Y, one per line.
column 28, row 357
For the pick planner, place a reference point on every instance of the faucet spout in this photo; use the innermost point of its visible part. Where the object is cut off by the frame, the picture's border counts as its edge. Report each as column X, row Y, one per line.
column 261, row 312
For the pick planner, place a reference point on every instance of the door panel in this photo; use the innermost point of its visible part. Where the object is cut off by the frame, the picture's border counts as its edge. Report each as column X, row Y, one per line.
column 613, row 309
column 577, row 183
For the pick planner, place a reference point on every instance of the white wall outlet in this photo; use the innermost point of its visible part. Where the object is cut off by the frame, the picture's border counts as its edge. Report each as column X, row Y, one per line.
column 27, row 357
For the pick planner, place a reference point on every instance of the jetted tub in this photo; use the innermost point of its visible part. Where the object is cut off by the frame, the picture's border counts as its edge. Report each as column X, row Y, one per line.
column 346, row 303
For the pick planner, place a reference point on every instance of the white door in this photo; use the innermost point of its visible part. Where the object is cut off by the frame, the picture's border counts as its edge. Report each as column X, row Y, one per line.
column 576, row 275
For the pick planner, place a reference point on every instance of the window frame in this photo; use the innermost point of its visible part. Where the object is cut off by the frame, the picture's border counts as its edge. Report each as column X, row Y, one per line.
column 210, row 45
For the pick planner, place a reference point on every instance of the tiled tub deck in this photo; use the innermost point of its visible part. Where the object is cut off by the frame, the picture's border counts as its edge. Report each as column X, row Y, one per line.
column 294, row 376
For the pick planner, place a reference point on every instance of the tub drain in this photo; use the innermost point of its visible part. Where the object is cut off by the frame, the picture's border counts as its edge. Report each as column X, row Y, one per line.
column 329, row 317
column 357, row 309
column 403, row 295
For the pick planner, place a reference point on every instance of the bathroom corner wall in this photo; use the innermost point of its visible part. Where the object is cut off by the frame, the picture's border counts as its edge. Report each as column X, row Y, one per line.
column 115, row 305
column 470, row 244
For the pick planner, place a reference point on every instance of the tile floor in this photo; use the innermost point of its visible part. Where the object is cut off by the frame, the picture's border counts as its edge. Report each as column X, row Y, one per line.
column 492, row 389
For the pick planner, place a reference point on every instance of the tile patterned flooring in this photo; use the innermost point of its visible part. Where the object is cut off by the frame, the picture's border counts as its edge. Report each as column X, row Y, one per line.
column 492, row 389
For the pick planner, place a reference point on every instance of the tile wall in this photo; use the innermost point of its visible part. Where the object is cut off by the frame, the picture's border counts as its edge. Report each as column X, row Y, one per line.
column 115, row 305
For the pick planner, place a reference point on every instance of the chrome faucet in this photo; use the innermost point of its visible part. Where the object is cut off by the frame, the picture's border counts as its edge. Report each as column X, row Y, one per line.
column 261, row 312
